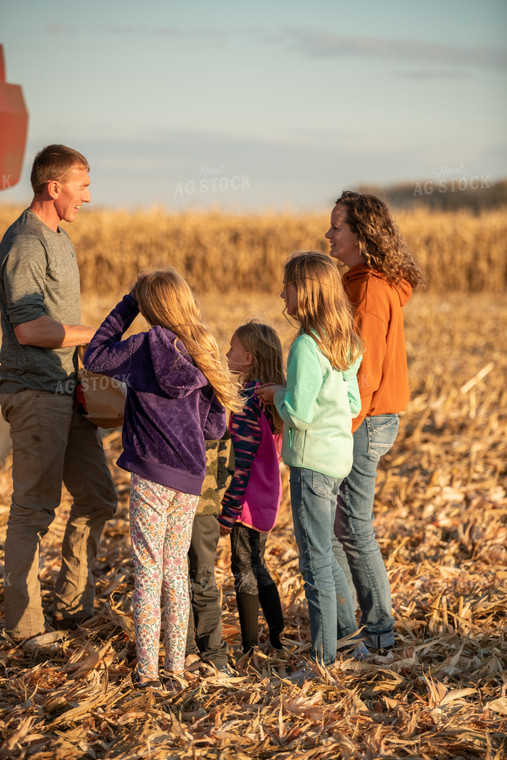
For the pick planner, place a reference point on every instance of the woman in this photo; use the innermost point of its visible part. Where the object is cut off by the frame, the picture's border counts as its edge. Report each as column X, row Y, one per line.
column 381, row 277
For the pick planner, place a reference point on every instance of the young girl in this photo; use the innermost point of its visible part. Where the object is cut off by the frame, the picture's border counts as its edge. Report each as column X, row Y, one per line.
column 177, row 387
column 205, row 644
column 250, row 506
column 317, row 407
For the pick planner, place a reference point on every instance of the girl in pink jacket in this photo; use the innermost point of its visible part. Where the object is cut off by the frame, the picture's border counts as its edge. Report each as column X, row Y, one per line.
column 251, row 504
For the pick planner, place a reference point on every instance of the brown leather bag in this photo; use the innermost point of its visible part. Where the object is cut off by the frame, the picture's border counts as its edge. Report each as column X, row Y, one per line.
column 99, row 398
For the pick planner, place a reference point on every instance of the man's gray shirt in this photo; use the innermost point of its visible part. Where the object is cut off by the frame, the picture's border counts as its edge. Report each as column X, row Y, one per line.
column 39, row 277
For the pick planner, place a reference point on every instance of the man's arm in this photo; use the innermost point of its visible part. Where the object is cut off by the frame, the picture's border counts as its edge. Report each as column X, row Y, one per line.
column 45, row 332
column 24, row 273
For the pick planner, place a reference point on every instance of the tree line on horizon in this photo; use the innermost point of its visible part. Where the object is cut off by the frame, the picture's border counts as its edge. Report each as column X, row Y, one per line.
column 446, row 192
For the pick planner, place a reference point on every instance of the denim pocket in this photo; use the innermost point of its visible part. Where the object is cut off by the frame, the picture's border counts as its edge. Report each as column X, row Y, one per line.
column 382, row 431
column 322, row 484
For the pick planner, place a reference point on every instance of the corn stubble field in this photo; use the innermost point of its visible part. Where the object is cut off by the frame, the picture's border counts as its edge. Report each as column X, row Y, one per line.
column 440, row 518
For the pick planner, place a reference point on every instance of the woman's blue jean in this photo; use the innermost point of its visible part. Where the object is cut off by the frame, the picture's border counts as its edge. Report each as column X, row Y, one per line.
column 330, row 606
column 357, row 551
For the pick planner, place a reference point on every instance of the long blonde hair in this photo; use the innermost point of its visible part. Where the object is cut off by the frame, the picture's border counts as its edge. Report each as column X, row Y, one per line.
column 323, row 310
column 262, row 341
column 165, row 299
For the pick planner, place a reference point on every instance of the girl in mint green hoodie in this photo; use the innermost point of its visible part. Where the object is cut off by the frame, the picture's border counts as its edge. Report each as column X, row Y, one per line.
column 317, row 407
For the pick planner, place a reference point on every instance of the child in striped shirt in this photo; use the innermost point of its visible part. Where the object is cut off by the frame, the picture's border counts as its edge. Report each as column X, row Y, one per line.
column 251, row 504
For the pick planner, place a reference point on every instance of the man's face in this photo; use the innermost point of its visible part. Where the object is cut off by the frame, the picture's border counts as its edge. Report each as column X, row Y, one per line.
column 72, row 192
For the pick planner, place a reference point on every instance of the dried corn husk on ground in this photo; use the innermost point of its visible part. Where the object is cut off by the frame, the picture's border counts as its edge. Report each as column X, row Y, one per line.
column 441, row 520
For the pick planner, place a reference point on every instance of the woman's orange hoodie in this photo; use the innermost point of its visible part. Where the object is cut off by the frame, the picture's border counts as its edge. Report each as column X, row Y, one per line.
column 378, row 309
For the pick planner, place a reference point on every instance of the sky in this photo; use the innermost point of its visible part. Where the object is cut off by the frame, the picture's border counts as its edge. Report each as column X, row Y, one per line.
column 266, row 105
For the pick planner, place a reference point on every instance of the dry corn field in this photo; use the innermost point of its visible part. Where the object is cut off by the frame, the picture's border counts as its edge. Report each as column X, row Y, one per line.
column 458, row 251
column 440, row 517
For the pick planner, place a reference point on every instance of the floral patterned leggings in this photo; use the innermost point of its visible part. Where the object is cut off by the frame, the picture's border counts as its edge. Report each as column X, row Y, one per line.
column 160, row 530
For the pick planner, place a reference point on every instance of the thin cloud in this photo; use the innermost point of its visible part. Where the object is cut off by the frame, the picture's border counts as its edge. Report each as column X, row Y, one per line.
column 210, row 39
column 60, row 29
column 166, row 31
column 435, row 74
column 165, row 168
column 108, row 28
column 319, row 45
column 200, row 33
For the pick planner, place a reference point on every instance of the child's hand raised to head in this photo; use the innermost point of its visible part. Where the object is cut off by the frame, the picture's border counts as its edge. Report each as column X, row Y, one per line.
column 267, row 391
column 133, row 290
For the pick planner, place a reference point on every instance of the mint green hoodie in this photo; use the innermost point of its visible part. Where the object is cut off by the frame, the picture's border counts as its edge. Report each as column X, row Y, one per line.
column 317, row 407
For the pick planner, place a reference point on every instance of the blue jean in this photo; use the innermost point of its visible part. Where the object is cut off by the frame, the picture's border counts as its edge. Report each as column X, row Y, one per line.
column 330, row 607
column 357, row 550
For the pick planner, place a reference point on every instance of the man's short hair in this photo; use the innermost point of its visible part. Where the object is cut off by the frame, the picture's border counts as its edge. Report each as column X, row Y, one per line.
column 52, row 163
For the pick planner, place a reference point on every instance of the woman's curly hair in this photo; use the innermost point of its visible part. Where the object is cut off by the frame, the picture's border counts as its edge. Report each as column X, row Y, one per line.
column 380, row 243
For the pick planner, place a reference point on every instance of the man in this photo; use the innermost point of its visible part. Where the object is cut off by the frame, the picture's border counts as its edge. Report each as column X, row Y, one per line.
column 51, row 442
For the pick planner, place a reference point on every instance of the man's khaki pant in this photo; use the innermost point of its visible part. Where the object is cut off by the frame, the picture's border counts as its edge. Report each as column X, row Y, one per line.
column 51, row 444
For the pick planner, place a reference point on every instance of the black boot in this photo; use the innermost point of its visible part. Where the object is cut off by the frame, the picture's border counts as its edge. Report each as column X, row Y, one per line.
column 248, row 608
column 272, row 609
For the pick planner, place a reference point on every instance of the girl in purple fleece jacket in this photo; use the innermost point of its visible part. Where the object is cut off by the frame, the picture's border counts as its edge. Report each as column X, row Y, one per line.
column 177, row 388
column 250, row 506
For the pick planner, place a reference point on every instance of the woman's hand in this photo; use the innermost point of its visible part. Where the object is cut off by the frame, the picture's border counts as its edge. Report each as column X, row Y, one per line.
column 267, row 391
column 224, row 531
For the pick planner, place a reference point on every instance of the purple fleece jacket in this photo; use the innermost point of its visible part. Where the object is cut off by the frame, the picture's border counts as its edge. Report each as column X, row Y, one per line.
column 171, row 408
